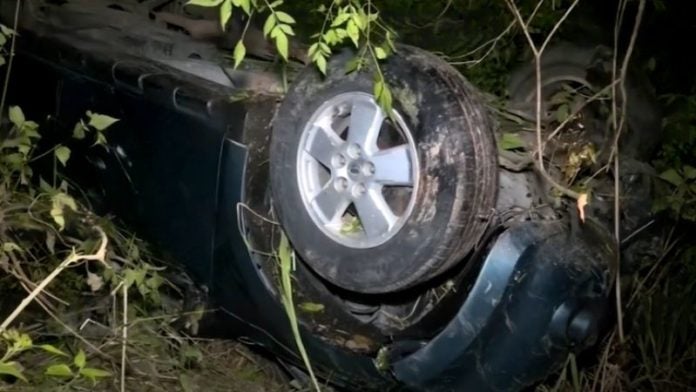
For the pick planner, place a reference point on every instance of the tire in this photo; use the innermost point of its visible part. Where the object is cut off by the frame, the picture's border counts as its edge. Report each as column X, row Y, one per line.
column 453, row 168
column 591, row 66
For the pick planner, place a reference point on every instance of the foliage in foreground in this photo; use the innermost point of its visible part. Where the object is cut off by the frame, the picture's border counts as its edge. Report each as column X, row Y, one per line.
column 82, row 298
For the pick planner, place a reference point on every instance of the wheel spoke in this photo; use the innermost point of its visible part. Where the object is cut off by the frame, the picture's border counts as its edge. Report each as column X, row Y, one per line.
column 365, row 122
column 323, row 144
column 331, row 203
column 393, row 166
column 374, row 213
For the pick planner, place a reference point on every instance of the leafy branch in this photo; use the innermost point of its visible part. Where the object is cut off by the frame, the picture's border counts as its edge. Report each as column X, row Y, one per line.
column 354, row 22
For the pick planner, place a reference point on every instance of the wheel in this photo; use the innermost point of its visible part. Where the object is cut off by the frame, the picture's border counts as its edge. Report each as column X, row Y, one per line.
column 589, row 68
column 376, row 203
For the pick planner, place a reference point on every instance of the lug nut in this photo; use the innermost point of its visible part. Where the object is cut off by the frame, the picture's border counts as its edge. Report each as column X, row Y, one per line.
column 368, row 168
column 338, row 160
column 354, row 150
column 359, row 190
column 342, row 110
column 341, row 184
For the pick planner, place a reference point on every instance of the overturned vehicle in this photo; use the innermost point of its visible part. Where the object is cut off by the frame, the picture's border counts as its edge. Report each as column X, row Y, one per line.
column 438, row 254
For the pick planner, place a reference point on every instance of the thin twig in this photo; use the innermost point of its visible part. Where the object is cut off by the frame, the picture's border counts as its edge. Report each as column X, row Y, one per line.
column 17, row 271
column 490, row 44
column 615, row 149
column 493, row 42
column 538, row 52
column 601, row 367
column 124, row 336
column 72, row 259
column 75, row 334
column 652, row 270
column 579, row 109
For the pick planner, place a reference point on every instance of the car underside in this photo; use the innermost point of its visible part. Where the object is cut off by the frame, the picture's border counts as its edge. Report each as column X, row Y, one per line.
column 434, row 255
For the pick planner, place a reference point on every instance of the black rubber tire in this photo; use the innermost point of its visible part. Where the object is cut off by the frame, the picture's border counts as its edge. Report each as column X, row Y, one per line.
column 457, row 181
column 572, row 62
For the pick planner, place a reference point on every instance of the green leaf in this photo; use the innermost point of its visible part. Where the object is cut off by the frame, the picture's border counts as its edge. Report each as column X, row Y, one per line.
column 53, row 350
column 282, row 44
column 30, row 129
column 100, row 121
column 511, row 141
column 23, row 342
column 284, row 17
column 13, row 369
column 17, row 116
column 672, row 176
column 269, row 25
column 51, row 241
column 239, row 53
column 320, row 61
column 287, row 29
column 562, row 96
column 59, row 370
column 11, row 246
column 2, row 61
column 58, row 203
column 62, row 153
column 225, row 13
column 80, row 359
column 385, row 100
column 79, row 131
column 651, row 64
column 378, row 87
column 324, row 48
column 101, row 139
column 354, row 64
column 6, row 30
column 205, row 3
column 383, row 95
column 330, row 37
column 15, row 159
column 689, row 172
column 380, row 53
column 360, row 20
column 93, row 374
column 389, row 39
column 136, row 276
column 3, row 40
column 313, row 49
column 285, row 257
column 353, row 32
column 187, row 383
column 154, row 282
column 341, row 18
column 562, row 113
column 310, row 307
column 244, row 5
column 276, row 31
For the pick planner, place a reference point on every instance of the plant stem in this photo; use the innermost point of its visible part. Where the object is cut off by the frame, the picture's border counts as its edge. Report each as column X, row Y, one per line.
column 10, row 61
column 73, row 258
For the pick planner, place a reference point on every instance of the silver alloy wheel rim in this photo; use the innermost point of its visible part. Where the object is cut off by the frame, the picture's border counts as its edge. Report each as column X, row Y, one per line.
column 339, row 176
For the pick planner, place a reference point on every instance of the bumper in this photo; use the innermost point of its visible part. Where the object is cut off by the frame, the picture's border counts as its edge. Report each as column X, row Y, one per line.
column 541, row 294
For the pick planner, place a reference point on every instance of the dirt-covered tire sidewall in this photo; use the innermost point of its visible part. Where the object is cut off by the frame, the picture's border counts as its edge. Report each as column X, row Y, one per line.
column 457, row 176
column 643, row 117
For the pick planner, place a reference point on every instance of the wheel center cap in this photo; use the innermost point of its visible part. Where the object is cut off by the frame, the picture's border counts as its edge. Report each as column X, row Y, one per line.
column 355, row 170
